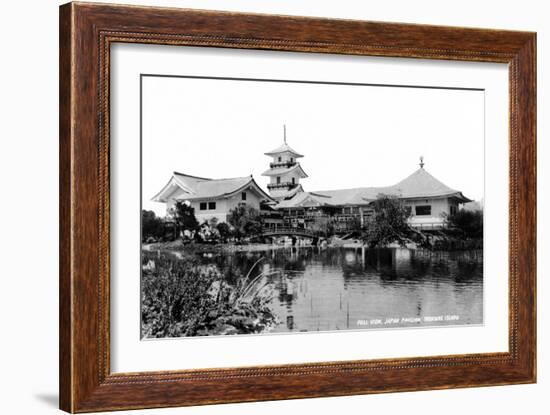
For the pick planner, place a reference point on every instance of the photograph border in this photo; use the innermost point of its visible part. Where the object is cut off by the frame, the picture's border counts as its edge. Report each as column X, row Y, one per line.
column 86, row 33
column 142, row 76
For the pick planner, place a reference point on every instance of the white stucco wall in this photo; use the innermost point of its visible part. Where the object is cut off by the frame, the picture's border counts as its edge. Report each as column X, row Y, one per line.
column 439, row 206
column 223, row 206
column 440, row 209
column 284, row 157
column 286, row 177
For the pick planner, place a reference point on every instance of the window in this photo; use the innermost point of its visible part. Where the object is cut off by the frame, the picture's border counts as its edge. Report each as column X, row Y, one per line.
column 293, row 180
column 203, row 206
column 279, row 159
column 453, row 210
column 278, row 179
column 423, row 210
column 292, row 159
column 211, row 205
column 243, row 196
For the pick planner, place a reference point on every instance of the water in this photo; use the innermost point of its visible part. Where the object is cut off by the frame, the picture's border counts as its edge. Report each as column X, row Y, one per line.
column 350, row 289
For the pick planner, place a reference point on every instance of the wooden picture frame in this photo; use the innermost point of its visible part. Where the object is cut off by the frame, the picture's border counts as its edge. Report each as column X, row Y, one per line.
column 86, row 33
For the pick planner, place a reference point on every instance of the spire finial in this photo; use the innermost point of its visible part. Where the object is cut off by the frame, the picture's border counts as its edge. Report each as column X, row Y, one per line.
column 284, row 132
column 421, row 162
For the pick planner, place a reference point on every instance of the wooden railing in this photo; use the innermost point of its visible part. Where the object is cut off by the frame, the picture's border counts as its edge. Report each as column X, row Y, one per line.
column 429, row 225
column 288, row 230
column 282, row 164
column 289, row 185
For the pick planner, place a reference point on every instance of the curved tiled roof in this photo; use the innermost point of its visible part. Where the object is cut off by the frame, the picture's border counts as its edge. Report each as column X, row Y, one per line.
column 358, row 195
column 284, row 148
column 218, row 187
column 203, row 188
column 420, row 184
column 283, row 170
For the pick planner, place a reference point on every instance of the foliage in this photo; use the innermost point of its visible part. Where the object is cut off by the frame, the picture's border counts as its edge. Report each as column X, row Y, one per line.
column 224, row 230
column 354, row 225
column 389, row 223
column 175, row 297
column 151, row 225
column 468, row 222
column 181, row 297
column 322, row 226
column 245, row 220
column 184, row 216
column 208, row 231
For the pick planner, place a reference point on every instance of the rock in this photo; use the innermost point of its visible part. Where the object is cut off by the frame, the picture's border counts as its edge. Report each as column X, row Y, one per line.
column 224, row 329
column 245, row 323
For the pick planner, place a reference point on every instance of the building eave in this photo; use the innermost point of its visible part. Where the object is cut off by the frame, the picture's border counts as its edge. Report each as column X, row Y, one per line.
column 273, row 172
column 454, row 194
column 173, row 182
column 191, row 176
column 257, row 187
column 227, row 195
column 295, row 154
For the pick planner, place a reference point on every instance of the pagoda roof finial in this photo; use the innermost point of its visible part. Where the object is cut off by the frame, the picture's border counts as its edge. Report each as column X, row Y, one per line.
column 421, row 162
column 284, row 148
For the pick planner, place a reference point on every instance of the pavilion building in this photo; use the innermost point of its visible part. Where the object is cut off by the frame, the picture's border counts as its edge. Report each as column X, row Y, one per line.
column 284, row 172
column 428, row 200
column 211, row 198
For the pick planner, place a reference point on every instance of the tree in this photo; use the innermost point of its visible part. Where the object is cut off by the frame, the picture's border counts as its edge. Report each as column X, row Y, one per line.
column 151, row 225
column 245, row 220
column 224, row 230
column 469, row 222
column 389, row 223
column 184, row 216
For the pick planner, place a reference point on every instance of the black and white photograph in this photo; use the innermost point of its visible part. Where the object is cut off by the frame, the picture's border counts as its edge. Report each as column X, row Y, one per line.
column 288, row 206
column 275, row 207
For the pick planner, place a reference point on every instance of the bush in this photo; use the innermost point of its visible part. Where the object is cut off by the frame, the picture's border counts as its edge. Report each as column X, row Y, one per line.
column 224, row 230
column 467, row 222
column 246, row 221
column 152, row 227
column 184, row 298
column 175, row 297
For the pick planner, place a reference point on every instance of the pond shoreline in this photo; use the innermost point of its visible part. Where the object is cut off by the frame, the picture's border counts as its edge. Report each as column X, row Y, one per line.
column 229, row 247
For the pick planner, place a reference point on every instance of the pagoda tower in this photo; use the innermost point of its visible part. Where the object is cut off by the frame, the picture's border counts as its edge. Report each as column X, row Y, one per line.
column 284, row 171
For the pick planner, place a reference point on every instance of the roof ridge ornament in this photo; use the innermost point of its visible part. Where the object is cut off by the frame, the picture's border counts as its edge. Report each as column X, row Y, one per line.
column 421, row 162
column 284, row 132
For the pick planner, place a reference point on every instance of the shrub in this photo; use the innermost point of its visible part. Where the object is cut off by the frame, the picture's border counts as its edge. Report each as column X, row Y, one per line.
column 175, row 297
column 224, row 230
column 468, row 222
column 245, row 220
column 151, row 226
column 183, row 298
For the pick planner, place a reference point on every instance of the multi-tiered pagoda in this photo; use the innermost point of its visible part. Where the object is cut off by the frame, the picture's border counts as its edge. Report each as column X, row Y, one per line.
column 284, row 171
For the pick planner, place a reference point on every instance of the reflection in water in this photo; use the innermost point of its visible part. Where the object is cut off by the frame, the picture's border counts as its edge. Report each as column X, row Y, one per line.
column 341, row 289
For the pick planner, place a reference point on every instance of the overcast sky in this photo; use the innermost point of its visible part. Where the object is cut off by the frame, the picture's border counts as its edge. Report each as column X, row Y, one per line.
column 351, row 136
